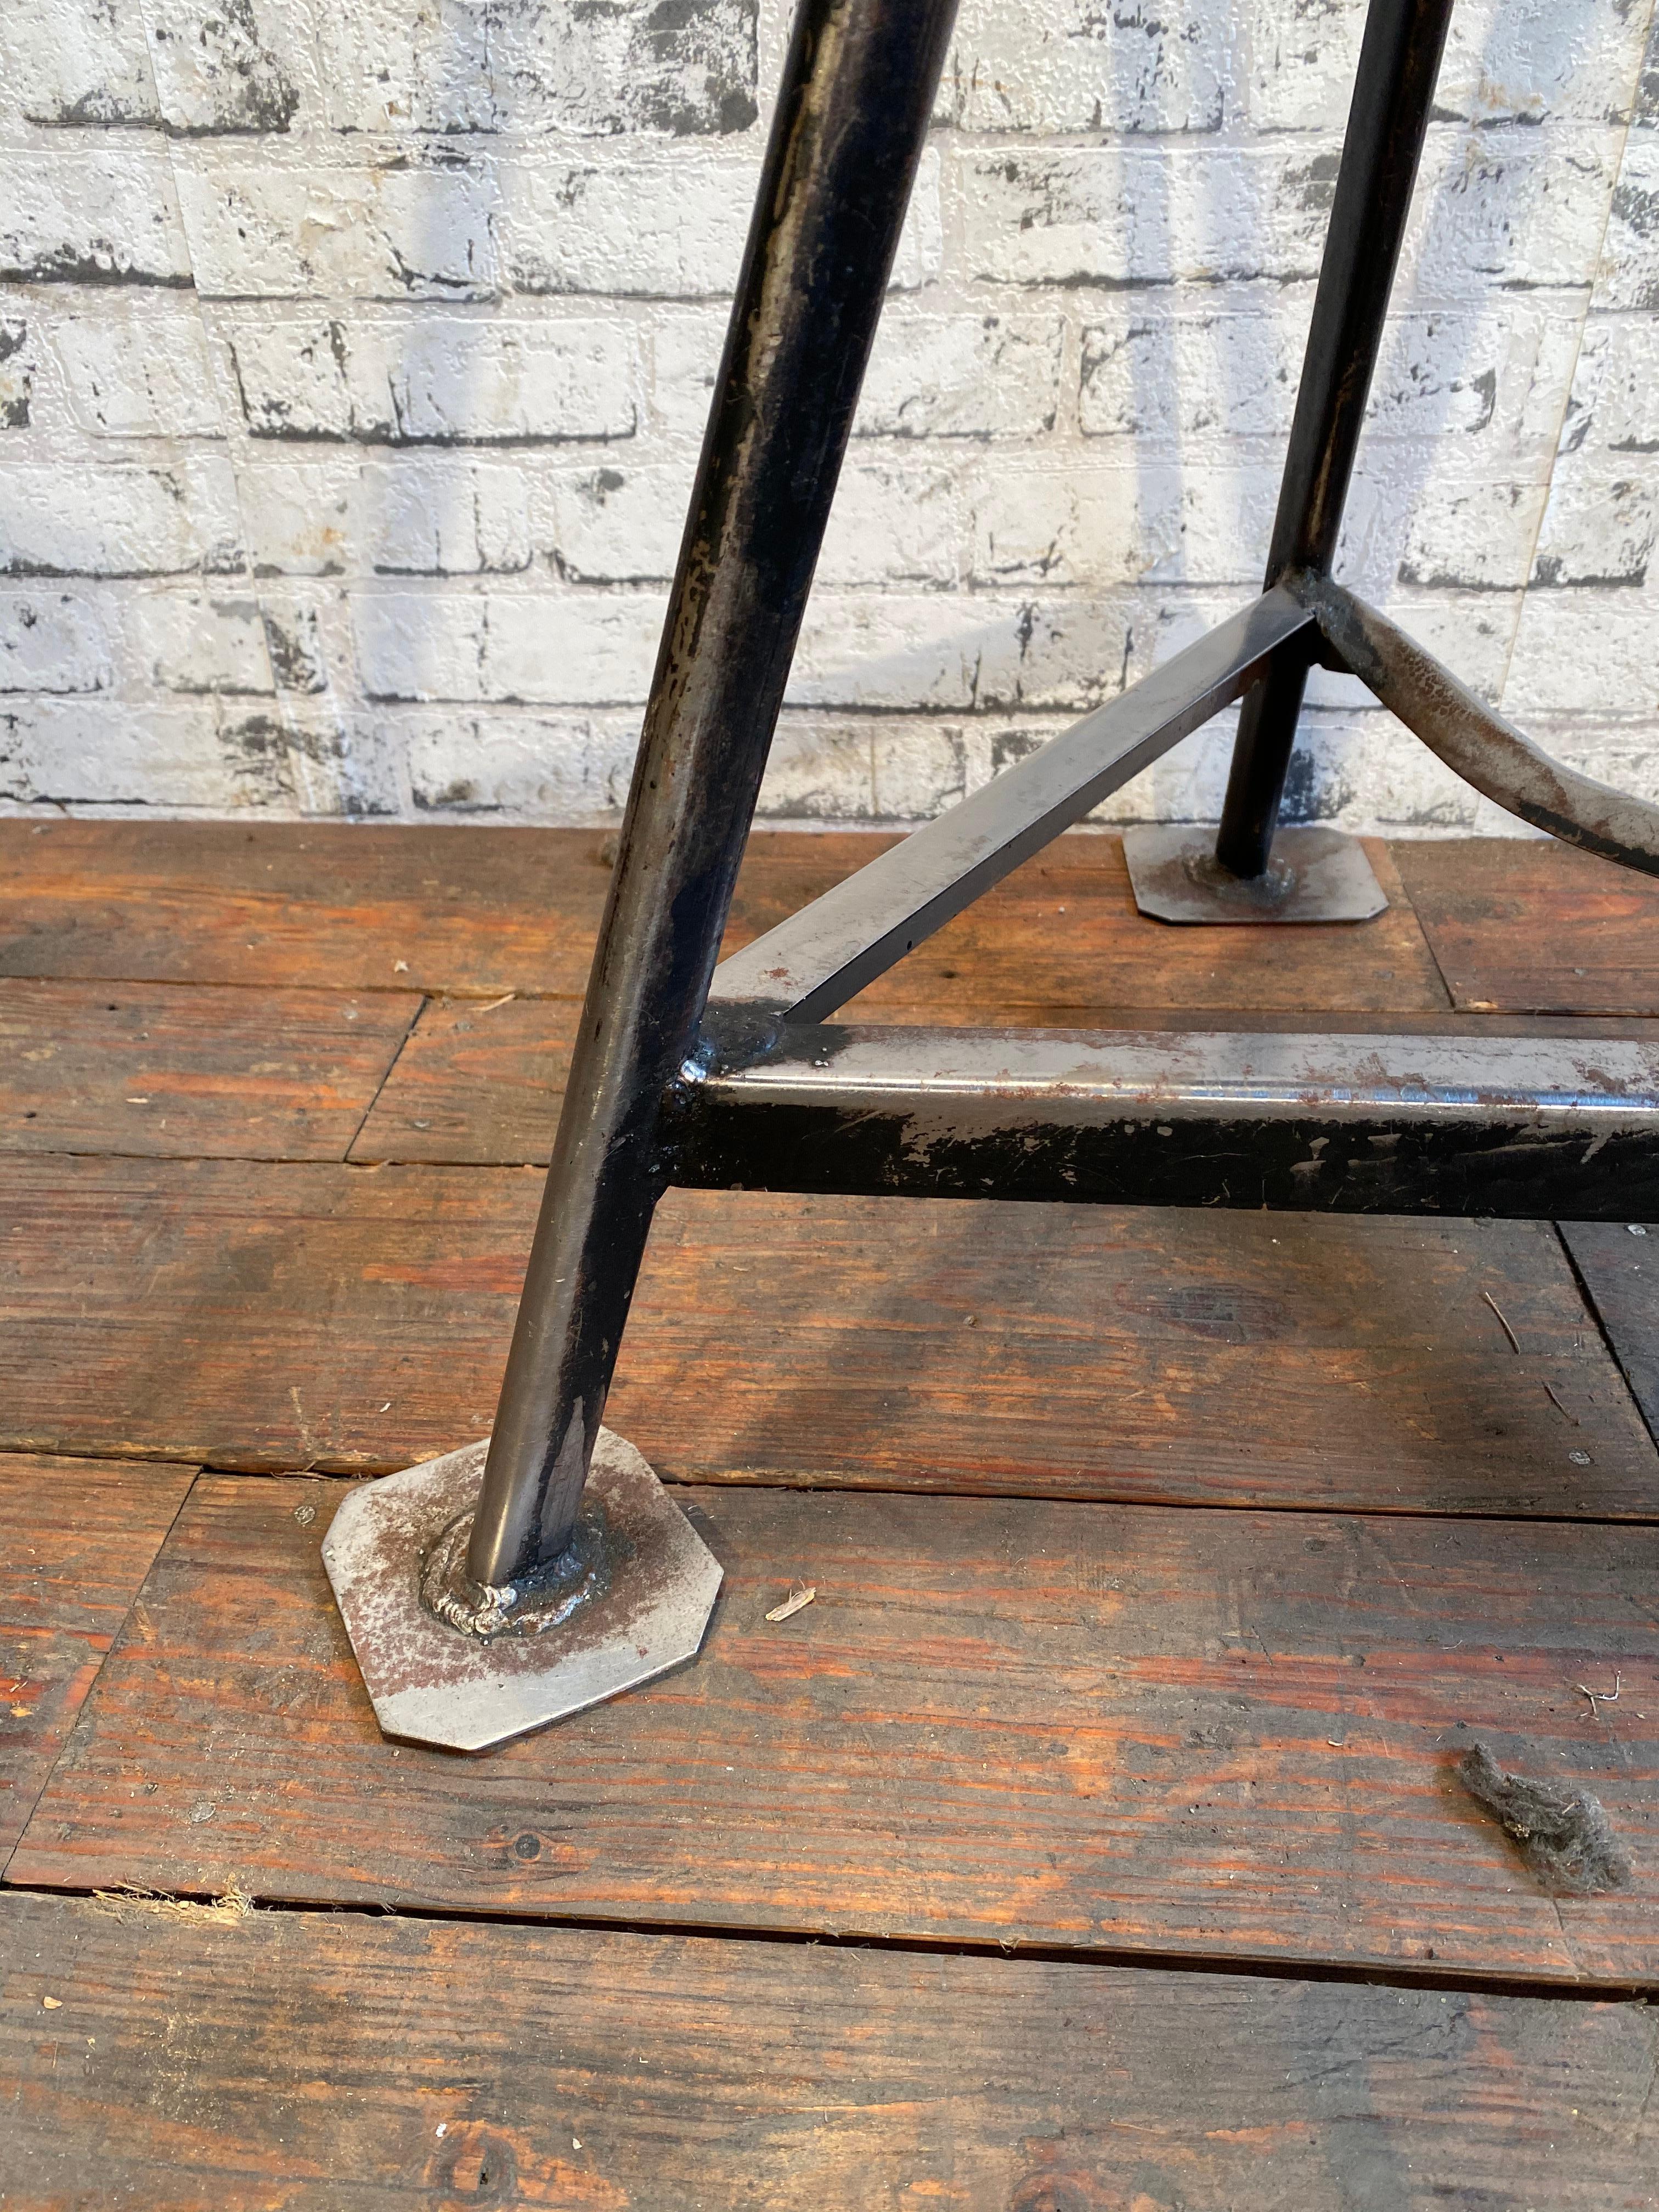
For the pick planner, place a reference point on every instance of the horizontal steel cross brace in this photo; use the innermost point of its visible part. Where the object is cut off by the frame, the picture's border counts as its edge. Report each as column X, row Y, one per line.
column 825, row 954
column 1520, row 1126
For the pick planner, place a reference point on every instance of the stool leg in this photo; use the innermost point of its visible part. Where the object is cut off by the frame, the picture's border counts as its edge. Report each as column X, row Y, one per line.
column 1399, row 62
column 851, row 116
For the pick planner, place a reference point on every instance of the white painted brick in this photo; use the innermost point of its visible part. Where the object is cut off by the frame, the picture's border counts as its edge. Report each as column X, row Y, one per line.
column 894, row 523
column 298, row 516
column 110, row 522
column 1526, row 60
column 819, row 771
column 195, row 641
column 587, row 649
column 132, row 375
column 18, row 364
column 342, row 764
column 617, row 522
column 442, row 380
column 52, row 642
column 1600, row 525
column 521, row 66
column 92, row 753
column 1584, row 652
column 293, row 643
column 443, row 519
column 1629, row 276
column 1510, row 205
column 224, row 65
column 1063, row 524
column 79, row 61
column 527, row 766
column 1120, row 215
column 900, row 651
column 919, row 767
column 662, row 229
column 1062, row 65
column 1616, row 394
column 1474, row 537
column 386, row 234
column 108, row 216
column 956, row 376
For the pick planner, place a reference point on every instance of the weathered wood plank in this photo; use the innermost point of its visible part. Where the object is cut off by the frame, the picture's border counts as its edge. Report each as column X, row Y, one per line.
column 1528, row 926
column 1619, row 1264
column 317, row 2060
column 76, row 1540
column 270, row 1317
column 482, row 911
column 1223, row 1735
column 193, row 1072
column 481, row 1082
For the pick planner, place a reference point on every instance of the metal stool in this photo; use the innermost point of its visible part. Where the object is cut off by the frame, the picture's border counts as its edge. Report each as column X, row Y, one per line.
column 506, row 1585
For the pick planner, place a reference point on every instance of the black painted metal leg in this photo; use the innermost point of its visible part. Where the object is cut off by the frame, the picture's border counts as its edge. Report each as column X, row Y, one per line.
column 858, row 89
column 1393, row 90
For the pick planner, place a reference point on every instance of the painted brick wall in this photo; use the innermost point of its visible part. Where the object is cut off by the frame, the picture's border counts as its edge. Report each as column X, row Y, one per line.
column 354, row 355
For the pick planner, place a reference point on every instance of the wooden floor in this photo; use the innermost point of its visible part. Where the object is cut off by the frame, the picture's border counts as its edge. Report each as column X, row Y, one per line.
column 1092, row 1844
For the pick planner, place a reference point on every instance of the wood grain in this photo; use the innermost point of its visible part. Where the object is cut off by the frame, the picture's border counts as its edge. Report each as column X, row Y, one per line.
column 190, row 1073
column 1110, row 1727
column 319, row 2062
column 76, row 1540
column 273, row 1317
column 482, row 911
column 1618, row 1263
column 1524, row 927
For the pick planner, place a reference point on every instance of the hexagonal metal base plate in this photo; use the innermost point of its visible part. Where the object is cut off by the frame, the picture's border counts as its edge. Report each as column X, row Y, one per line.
column 1314, row 875
column 431, row 1684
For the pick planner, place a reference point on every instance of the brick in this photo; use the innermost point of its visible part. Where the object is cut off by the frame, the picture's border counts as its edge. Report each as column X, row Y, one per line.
column 132, row 375
column 1629, row 276
column 443, row 381
column 579, row 650
column 72, row 520
column 1584, row 652
column 52, row 642
column 819, row 771
column 206, row 756
column 1128, row 214
column 520, row 65
column 109, row 216
column 890, row 523
column 17, row 371
column 228, row 65
column 341, row 764
column 1473, row 537
column 195, row 642
column 1527, row 61
column 919, row 767
column 1054, row 65
column 298, row 516
column 1511, row 205
column 293, row 642
column 1155, row 376
column 905, row 652
column 956, row 376
column 1616, row 393
column 80, row 61
column 443, row 519
column 371, row 234
column 527, row 766
column 665, row 229
column 1599, row 527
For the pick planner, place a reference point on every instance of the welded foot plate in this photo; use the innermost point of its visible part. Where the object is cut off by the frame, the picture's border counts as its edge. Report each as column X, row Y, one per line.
column 644, row 1608
column 1314, row 875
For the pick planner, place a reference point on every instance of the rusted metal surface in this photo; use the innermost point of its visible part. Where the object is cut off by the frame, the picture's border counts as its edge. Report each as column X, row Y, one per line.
column 1474, row 740
column 1312, row 875
column 644, row 1599
column 1504, row 1126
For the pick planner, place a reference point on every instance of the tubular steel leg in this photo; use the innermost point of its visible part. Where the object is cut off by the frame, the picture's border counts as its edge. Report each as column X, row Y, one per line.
column 851, row 116
column 1399, row 62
